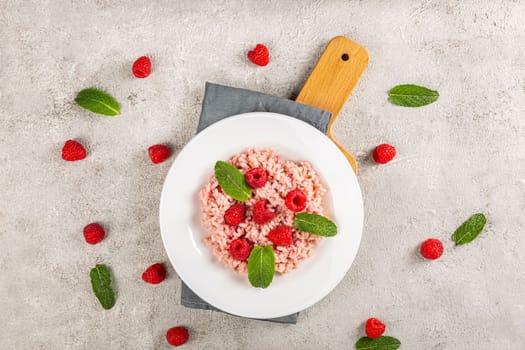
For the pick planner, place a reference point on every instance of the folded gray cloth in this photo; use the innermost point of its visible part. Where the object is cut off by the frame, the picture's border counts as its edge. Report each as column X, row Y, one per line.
column 223, row 101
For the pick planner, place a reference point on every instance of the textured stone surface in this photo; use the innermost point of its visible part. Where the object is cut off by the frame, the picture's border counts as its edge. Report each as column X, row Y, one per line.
column 460, row 155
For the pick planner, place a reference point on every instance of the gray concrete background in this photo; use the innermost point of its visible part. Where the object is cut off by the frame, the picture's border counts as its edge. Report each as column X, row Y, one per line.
column 458, row 156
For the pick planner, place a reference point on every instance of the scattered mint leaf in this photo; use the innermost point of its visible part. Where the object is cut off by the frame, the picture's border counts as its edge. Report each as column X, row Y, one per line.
column 470, row 229
column 381, row 343
column 232, row 181
column 261, row 266
column 315, row 224
column 412, row 95
column 101, row 283
column 98, row 102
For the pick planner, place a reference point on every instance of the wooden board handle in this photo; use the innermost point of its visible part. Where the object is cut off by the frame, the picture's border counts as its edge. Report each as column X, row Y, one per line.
column 334, row 77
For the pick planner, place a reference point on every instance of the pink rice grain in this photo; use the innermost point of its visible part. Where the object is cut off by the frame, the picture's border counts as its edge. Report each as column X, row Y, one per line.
column 283, row 176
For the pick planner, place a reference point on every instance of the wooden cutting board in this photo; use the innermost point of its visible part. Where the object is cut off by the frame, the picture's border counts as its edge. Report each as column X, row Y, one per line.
column 334, row 77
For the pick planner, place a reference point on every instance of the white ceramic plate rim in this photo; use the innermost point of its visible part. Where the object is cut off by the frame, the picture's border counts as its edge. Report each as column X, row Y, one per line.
column 182, row 233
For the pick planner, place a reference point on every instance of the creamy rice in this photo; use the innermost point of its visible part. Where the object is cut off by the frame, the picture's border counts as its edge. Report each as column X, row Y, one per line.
column 283, row 177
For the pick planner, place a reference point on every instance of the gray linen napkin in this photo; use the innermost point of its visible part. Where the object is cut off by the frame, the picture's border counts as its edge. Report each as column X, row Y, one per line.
column 223, row 101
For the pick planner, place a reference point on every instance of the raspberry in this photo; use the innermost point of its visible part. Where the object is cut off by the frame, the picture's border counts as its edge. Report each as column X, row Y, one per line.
column 431, row 248
column 154, row 274
column 384, row 153
column 256, row 177
column 240, row 249
column 234, row 215
column 374, row 328
column 261, row 215
column 73, row 151
column 158, row 153
column 94, row 233
column 281, row 235
column 177, row 336
column 295, row 200
column 141, row 67
column 260, row 55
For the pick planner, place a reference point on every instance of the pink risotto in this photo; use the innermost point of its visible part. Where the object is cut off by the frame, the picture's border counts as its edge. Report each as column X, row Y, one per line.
column 283, row 177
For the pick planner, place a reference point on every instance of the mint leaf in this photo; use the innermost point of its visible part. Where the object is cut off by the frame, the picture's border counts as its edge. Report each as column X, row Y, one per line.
column 98, row 102
column 232, row 181
column 381, row 343
column 412, row 95
column 261, row 266
column 101, row 283
column 315, row 224
column 470, row 229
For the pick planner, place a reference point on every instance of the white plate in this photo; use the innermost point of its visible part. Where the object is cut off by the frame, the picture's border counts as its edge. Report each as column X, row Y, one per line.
column 182, row 232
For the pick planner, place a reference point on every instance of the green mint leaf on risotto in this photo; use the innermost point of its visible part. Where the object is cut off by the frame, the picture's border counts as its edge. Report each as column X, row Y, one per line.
column 381, row 343
column 232, row 181
column 412, row 95
column 98, row 102
column 261, row 266
column 470, row 229
column 101, row 284
column 315, row 224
